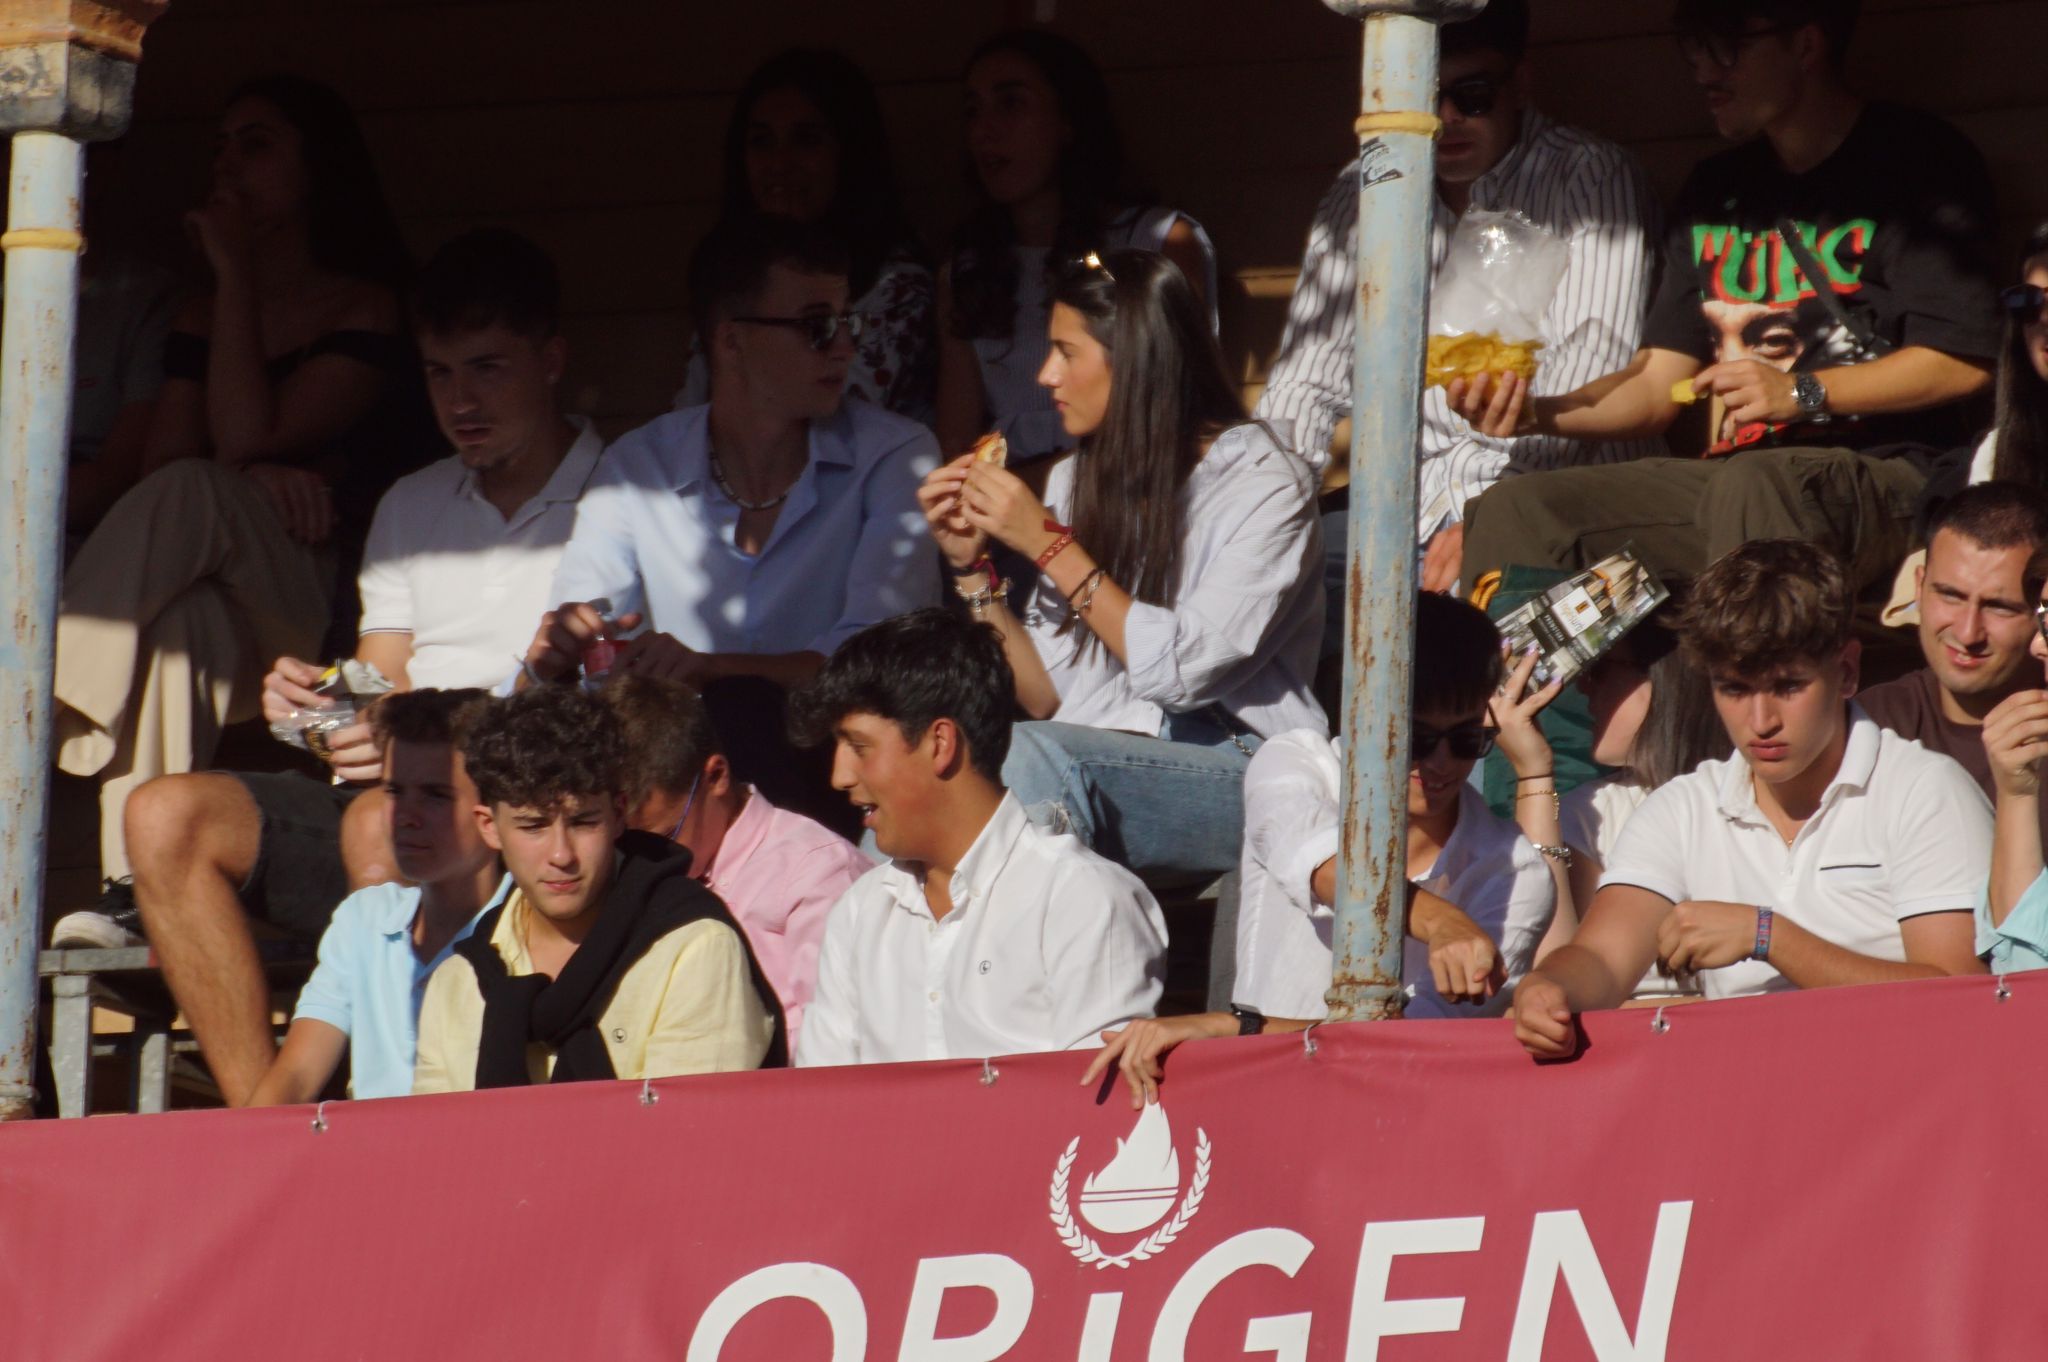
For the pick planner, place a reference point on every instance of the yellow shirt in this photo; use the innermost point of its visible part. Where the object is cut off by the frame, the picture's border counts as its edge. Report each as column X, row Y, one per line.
column 688, row 1006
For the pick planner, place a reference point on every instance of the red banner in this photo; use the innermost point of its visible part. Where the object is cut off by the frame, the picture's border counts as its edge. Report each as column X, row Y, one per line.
column 1828, row 1175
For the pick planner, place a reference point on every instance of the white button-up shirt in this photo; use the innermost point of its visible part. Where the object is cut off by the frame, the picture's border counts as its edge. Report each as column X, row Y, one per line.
column 655, row 535
column 1046, row 946
column 467, row 582
column 1246, row 625
column 1900, row 832
column 1588, row 191
column 1293, row 799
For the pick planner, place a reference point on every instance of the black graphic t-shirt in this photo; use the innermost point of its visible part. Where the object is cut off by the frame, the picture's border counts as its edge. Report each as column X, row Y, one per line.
column 1900, row 221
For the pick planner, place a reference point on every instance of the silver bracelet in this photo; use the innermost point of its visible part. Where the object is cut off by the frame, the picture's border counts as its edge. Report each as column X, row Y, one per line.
column 1562, row 855
column 984, row 595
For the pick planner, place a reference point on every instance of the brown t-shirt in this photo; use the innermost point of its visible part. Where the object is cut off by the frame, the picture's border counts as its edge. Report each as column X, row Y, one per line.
column 1911, row 708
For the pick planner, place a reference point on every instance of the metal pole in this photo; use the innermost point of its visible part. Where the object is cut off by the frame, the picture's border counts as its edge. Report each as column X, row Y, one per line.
column 67, row 74
column 1396, row 195
column 42, row 244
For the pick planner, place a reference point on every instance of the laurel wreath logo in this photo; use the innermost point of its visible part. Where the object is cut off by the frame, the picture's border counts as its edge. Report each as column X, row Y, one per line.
column 1084, row 1247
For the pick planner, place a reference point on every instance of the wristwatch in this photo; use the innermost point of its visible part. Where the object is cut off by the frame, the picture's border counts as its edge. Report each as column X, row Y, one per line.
column 1812, row 398
column 1249, row 1023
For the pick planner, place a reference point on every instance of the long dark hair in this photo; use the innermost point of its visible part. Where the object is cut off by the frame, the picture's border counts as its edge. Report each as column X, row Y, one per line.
column 1681, row 729
column 349, row 224
column 1170, row 391
column 1091, row 183
column 866, row 211
column 2022, row 425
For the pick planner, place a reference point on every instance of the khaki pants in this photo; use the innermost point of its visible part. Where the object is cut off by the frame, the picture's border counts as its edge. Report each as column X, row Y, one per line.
column 172, row 612
column 1682, row 514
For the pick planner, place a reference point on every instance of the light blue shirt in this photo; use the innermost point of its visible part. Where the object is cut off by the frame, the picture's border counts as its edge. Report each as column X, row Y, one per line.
column 2021, row 941
column 369, row 983
column 655, row 535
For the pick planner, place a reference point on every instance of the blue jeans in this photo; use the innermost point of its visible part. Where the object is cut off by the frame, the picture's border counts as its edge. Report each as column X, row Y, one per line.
column 1166, row 807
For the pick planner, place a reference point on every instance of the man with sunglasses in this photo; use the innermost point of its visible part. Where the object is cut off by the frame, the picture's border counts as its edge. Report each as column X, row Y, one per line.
column 1827, row 299
column 738, row 543
column 1826, row 851
column 1497, row 152
column 1480, row 895
column 777, row 872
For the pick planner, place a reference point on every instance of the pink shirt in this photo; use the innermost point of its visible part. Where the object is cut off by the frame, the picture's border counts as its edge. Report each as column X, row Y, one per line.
column 780, row 873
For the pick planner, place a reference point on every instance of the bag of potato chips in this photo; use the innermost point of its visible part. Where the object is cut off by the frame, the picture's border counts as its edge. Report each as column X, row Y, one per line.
column 1486, row 307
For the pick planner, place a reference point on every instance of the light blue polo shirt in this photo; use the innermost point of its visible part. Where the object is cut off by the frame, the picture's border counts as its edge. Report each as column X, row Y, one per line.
column 369, row 983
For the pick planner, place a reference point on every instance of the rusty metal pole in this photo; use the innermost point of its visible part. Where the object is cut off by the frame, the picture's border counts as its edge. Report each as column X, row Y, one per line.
column 1397, row 131
column 67, row 74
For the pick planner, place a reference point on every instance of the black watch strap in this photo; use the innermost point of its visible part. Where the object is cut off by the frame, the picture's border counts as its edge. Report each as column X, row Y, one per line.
column 1249, row 1023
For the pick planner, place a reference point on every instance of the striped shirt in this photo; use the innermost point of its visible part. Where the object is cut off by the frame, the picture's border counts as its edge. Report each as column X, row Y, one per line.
column 1585, row 189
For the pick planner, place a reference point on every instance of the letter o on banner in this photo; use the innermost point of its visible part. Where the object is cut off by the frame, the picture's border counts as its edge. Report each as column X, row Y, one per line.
column 831, row 1290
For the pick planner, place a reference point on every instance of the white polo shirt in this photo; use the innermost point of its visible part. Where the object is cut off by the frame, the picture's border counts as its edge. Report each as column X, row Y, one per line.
column 468, row 584
column 1900, row 832
column 1293, row 795
column 1046, row 946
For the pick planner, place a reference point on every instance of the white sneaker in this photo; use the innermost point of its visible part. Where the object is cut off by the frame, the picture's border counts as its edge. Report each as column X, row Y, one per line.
column 113, row 925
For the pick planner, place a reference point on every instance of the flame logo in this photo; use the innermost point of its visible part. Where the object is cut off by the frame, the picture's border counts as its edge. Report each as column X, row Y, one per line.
column 1138, row 1186
column 1130, row 1193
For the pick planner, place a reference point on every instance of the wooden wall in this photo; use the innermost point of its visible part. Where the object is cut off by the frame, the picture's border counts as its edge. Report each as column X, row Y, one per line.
column 594, row 125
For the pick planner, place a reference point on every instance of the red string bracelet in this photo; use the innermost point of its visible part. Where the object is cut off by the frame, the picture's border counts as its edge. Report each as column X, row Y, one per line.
column 1053, row 550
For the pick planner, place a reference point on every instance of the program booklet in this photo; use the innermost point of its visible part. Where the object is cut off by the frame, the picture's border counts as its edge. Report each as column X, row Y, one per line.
column 1582, row 616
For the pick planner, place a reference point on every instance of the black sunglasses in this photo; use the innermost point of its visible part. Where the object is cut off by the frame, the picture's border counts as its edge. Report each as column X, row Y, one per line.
column 1469, row 742
column 1722, row 47
column 2023, row 301
column 2041, row 620
column 819, row 331
column 1474, row 96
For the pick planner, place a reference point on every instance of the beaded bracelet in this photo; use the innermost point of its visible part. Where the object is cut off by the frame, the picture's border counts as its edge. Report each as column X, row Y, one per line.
column 1560, row 854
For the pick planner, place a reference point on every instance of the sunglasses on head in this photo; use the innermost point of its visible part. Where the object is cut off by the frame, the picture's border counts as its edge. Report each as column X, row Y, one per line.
column 1723, row 47
column 1474, row 96
column 819, row 331
column 2023, row 301
column 1469, row 742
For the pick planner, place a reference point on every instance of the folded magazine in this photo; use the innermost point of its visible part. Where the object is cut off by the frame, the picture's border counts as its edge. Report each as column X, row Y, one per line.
column 1583, row 616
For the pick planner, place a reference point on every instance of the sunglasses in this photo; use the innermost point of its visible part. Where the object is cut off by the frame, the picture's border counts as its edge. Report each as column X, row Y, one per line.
column 819, row 331
column 688, row 804
column 1474, row 96
column 2023, row 302
column 1469, row 742
column 1721, row 47
column 2041, row 620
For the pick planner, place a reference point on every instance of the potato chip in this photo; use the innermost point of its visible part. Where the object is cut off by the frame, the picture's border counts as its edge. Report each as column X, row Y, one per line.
column 1683, row 393
column 1473, row 353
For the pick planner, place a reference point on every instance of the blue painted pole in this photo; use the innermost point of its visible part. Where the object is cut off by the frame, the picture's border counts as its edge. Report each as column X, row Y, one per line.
column 42, row 245
column 1397, row 130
